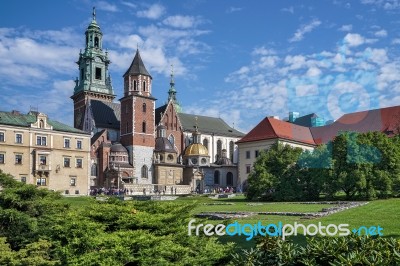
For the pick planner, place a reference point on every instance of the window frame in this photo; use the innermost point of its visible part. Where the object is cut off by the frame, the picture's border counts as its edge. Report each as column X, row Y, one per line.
column 41, row 138
column 19, row 138
column 67, row 159
column 79, row 144
column 78, row 165
column 67, row 140
column 39, row 181
column 3, row 158
column 40, row 159
column 2, row 136
column 18, row 159
column 248, row 155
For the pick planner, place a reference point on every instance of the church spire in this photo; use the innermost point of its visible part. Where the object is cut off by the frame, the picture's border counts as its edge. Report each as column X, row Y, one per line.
column 172, row 92
column 94, row 14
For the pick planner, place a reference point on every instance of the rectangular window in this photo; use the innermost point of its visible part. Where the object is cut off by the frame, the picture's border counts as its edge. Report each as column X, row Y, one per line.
column 76, row 192
column 42, row 160
column 79, row 144
column 66, row 143
column 248, row 169
column 2, row 139
column 72, row 181
column 66, row 192
column 247, row 154
column 67, row 162
column 2, row 158
column 40, row 181
column 18, row 158
column 256, row 153
column 78, row 163
column 23, row 179
column 98, row 73
column 41, row 141
column 18, row 138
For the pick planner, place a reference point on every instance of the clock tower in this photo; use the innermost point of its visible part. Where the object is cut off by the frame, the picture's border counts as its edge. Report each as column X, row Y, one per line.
column 94, row 81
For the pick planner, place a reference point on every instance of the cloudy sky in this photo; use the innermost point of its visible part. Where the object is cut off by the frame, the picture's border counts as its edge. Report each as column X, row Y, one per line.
column 238, row 60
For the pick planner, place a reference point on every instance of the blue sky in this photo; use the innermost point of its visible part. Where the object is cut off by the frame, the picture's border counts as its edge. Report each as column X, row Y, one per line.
column 238, row 60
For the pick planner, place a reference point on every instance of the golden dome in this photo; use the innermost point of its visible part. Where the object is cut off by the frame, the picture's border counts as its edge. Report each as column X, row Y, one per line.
column 196, row 149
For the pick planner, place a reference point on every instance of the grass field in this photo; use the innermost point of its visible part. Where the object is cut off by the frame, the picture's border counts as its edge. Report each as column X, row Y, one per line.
column 385, row 213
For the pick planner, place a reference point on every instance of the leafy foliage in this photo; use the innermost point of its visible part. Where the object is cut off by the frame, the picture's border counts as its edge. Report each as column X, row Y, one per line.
column 363, row 166
column 350, row 250
column 37, row 228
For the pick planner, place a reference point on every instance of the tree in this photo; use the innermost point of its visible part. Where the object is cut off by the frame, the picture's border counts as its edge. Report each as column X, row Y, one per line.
column 268, row 170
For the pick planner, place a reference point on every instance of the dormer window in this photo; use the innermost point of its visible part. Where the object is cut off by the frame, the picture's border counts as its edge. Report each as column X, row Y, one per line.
column 41, row 123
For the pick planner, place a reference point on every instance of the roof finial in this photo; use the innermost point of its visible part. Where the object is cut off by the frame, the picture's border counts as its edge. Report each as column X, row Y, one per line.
column 94, row 13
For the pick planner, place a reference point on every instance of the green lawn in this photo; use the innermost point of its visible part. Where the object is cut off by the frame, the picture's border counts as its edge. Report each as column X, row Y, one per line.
column 385, row 213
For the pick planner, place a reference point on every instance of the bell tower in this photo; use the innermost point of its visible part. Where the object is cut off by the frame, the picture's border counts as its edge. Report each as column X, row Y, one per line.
column 137, row 128
column 94, row 81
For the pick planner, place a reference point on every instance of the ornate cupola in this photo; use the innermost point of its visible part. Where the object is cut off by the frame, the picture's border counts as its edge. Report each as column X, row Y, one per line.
column 172, row 93
column 196, row 154
column 94, row 81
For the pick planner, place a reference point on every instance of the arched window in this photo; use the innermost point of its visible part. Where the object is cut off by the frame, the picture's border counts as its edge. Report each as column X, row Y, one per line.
column 144, row 127
column 41, row 123
column 134, row 85
column 144, row 85
column 96, row 42
column 231, row 150
column 144, row 107
column 229, row 179
column 171, row 139
column 145, row 171
column 94, row 170
column 219, row 149
column 216, row 177
column 205, row 143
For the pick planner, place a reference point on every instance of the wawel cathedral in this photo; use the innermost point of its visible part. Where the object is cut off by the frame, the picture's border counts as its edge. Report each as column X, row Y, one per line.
column 142, row 148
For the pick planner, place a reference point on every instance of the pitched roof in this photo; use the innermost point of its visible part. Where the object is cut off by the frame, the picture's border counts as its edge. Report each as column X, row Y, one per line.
column 159, row 110
column 207, row 124
column 271, row 128
column 384, row 120
column 137, row 67
column 25, row 120
column 106, row 114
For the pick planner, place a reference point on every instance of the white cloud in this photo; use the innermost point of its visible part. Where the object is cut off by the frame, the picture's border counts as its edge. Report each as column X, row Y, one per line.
column 313, row 71
column 396, row 41
column 288, row 9
column 299, row 34
column 347, row 27
column 103, row 5
column 155, row 11
column 354, row 39
column 381, row 33
column 233, row 9
column 306, row 90
column 180, row 21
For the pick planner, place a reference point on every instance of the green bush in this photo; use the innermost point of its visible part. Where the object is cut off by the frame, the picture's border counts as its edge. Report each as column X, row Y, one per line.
column 350, row 250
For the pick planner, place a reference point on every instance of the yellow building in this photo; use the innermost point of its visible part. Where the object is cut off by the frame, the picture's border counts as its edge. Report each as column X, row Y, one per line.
column 47, row 153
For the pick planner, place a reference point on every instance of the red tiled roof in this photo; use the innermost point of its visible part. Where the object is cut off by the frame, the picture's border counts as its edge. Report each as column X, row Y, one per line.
column 271, row 128
column 383, row 120
column 386, row 120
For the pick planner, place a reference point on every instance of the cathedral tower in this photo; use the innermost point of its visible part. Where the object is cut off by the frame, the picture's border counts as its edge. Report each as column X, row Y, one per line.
column 94, row 80
column 137, row 118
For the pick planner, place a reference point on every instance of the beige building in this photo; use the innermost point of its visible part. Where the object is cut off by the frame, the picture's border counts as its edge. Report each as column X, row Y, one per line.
column 265, row 134
column 44, row 152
